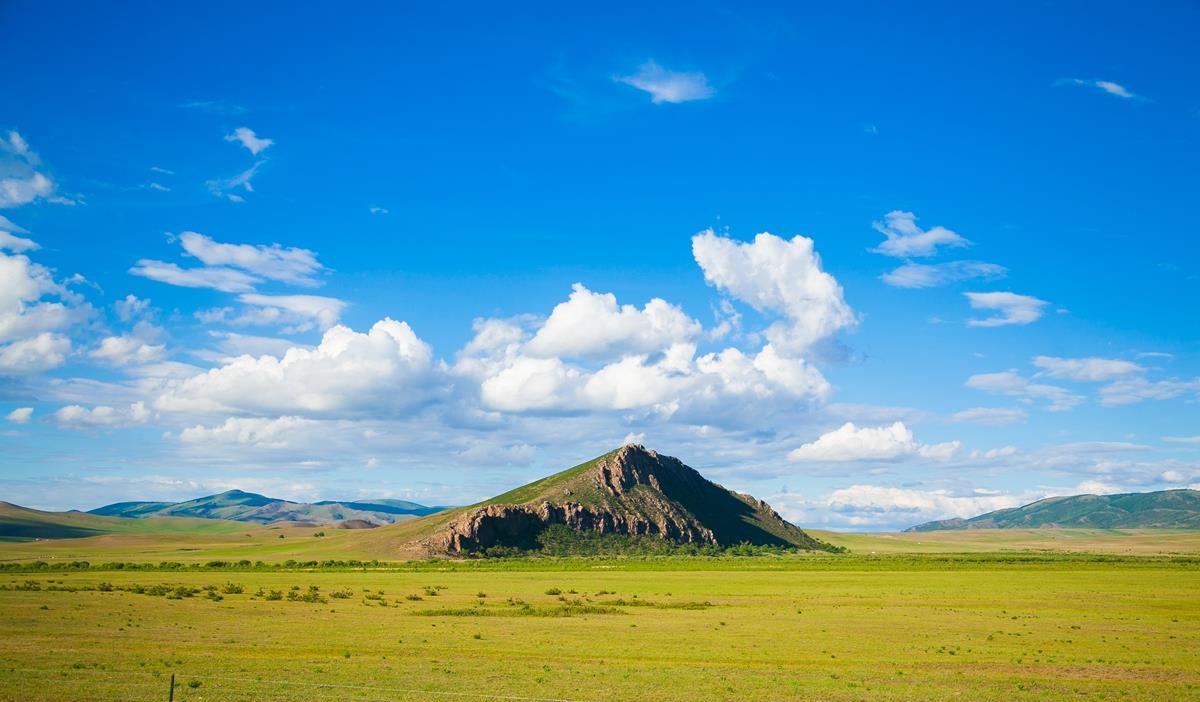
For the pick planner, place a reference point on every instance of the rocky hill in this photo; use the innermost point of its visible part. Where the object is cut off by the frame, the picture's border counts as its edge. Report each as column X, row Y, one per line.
column 251, row 507
column 1167, row 509
column 631, row 491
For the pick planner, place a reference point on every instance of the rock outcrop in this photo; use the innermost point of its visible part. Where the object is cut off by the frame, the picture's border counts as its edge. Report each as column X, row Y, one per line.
column 631, row 491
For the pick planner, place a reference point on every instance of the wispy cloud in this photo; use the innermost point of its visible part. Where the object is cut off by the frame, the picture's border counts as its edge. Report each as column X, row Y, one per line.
column 1107, row 87
column 216, row 107
column 21, row 178
column 920, row 275
column 242, row 181
column 669, row 86
column 905, row 239
column 1010, row 308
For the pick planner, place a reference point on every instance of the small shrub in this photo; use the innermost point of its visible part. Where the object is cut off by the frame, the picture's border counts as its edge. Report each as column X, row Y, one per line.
column 554, row 591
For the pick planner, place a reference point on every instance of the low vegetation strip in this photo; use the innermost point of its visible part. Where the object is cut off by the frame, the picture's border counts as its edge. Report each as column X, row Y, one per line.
column 521, row 610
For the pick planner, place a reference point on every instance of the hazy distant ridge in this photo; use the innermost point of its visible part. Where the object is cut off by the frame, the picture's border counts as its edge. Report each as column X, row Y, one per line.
column 1166, row 509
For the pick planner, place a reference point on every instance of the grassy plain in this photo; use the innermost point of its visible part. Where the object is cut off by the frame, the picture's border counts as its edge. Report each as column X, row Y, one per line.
column 767, row 628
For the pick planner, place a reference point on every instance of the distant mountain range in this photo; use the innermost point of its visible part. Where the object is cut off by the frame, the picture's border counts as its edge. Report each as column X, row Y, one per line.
column 242, row 506
column 1167, row 509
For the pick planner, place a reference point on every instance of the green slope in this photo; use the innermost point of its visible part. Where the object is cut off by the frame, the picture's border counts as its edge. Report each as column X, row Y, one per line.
column 657, row 487
column 23, row 524
column 1167, row 509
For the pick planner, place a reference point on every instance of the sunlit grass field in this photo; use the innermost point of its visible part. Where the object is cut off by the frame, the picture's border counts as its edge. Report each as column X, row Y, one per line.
column 849, row 627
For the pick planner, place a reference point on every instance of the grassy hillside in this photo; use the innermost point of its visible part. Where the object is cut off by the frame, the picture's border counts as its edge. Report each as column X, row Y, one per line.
column 24, row 524
column 1167, row 509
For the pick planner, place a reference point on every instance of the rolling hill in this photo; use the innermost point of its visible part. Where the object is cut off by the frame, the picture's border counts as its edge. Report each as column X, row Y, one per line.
column 24, row 524
column 631, row 491
column 1167, row 509
column 242, row 506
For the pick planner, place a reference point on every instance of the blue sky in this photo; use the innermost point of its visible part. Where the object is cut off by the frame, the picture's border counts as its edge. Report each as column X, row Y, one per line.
column 875, row 264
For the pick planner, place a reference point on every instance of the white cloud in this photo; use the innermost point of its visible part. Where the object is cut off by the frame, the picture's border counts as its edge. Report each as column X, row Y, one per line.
column 348, row 372
column 280, row 432
column 1182, row 439
column 781, row 276
column 885, row 507
column 1091, row 369
column 1013, row 384
column 886, row 443
column 294, row 313
column 159, row 187
column 247, row 138
column 1010, row 308
column 127, row 349
column 223, row 279
column 905, row 239
column 77, row 417
column 921, row 275
column 1127, row 391
column 288, row 265
column 131, row 307
column 591, row 324
column 29, row 323
column 9, row 239
column 21, row 181
column 992, row 416
column 378, row 210
column 1105, row 86
column 668, row 86
column 992, row 454
column 20, row 415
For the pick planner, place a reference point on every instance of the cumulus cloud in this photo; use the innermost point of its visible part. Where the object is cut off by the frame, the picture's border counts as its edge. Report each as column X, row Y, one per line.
column 992, row 416
column 348, row 372
column 127, row 349
column 906, row 240
column 668, row 86
column 247, row 138
column 131, row 307
column 279, row 432
column 1011, row 383
column 591, row 324
column 921, row 275
column 30, row 324
column 887, row 443
column 1092, row 369
column 780, row 276
column 20, row 415
column 1010, row 308
column 1107, row 87
column 21, row 178
column 78, row 417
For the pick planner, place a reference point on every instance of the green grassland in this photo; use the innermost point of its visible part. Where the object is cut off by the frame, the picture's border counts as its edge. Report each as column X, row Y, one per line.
column 891, row 628
column 1038, row 614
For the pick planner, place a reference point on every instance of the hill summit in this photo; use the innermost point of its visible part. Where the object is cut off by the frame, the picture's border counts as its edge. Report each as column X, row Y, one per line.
column 1165, row 509
column 631, row 491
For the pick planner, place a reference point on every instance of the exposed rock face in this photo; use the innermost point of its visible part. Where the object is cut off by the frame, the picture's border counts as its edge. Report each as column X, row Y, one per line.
column 632, row 491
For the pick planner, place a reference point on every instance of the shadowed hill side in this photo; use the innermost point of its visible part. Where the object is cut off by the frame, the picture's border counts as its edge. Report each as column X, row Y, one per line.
column 631, row 491
column 1166, row 509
